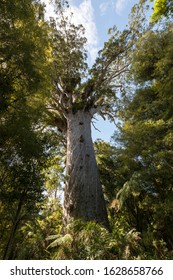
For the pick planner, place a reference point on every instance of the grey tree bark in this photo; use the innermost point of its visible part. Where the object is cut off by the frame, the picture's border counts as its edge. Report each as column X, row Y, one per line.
column 83, row 192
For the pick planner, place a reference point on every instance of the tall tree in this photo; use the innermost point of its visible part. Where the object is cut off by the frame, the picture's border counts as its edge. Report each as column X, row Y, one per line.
column 80, row 93
column 147, row 138
column 24, row 81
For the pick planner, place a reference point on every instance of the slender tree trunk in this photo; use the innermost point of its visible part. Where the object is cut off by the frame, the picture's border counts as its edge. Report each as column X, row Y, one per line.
column 83, row 192
column 10, row 242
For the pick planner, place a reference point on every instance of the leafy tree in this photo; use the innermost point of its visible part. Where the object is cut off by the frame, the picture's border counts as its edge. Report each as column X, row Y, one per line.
column 113, row 168
column 43, row 215
column 147, row 138
column 23, row 46
column 162, row 8
column 79, row 94
column 24, row 68
column 34, row 233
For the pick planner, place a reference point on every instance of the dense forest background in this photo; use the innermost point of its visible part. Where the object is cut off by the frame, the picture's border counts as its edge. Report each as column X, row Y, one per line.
column 131, row 81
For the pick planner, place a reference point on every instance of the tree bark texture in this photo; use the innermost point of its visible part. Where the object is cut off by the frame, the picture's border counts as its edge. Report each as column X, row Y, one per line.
column 83, row 192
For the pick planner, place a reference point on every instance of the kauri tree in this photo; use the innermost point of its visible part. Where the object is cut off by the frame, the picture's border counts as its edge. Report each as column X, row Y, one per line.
column 79, row 94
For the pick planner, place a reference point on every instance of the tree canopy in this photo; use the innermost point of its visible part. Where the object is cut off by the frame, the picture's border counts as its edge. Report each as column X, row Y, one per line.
column 162, row 8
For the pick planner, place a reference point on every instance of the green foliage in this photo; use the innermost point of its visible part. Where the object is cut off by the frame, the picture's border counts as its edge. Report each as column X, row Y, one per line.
column 107, row 164
column 162, row 8
column 22, row 50
column 90, row 241
column 24, row 68
column 33, row 234
column 115, row 168
column 147, row 195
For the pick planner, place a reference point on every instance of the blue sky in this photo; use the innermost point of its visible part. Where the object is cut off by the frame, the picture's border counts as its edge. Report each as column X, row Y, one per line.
column 97, row 16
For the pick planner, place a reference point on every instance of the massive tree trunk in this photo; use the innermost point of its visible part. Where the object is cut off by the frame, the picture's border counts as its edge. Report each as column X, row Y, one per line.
column 83, row 192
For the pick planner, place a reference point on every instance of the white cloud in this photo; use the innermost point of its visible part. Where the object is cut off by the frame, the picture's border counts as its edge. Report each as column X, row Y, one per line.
column 84, row 14
column 103, row 8
column 120, row 6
